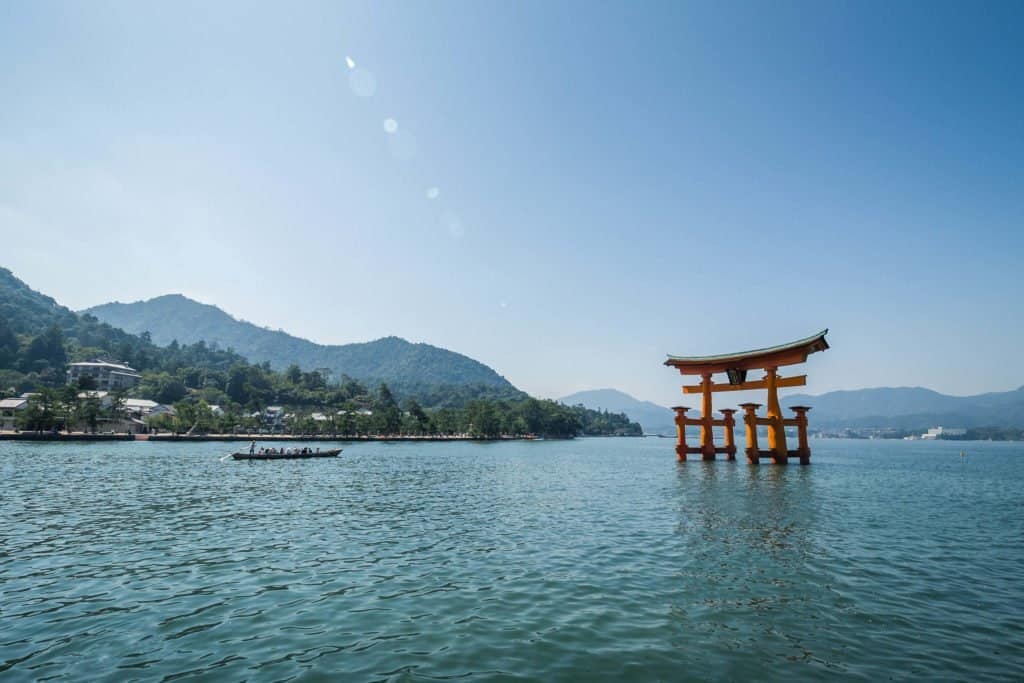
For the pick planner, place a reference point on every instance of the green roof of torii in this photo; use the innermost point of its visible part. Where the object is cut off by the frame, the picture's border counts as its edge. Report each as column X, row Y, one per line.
column 802, row 347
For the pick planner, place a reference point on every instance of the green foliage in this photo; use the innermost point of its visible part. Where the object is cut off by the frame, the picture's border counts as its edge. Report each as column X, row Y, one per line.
column 604, row 423
column 44, row 352
column 8, row 345
column 42, row 414
column 162, row 387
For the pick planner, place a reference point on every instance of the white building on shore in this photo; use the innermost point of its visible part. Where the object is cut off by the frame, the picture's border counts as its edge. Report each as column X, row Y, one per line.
column 942, row 432
column 108, row 376
column 9, row 410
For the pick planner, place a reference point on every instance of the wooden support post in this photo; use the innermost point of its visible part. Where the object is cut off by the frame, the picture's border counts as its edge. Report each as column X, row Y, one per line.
column 730, row 438
column 776, row 432
column 801, row 428
column 680, row 432
column 750, row 420
column 707, row 436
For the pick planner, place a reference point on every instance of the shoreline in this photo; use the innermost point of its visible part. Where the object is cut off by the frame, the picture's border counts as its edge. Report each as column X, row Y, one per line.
column 284, row 438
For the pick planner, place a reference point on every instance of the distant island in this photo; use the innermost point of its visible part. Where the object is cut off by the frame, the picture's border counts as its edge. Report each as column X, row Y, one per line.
column 60, row 370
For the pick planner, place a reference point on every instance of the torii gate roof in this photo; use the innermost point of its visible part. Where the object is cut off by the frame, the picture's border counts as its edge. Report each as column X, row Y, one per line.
column 773, row 356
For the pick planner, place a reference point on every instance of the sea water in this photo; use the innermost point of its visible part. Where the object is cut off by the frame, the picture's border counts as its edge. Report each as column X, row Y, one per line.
column 592, row 559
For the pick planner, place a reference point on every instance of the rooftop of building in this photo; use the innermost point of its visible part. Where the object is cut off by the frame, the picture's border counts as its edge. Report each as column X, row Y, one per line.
column 98, row 363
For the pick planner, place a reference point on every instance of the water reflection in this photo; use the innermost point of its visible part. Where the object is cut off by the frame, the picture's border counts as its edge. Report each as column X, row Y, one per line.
column 749, row 533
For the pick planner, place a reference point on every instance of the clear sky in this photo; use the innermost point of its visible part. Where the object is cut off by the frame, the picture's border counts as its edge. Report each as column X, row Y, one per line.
column 565, row 191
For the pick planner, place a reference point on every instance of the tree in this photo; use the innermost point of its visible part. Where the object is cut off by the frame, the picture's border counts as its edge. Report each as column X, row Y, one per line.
column 169, row 389
column 8, row 345
column 420, row 419
column 70, row 405
column 115, row 411
column 89, row 410
column 185, row 416
column 237, row 386
column 388, row 417
column 45, row 350
column 446, row 421
column 40, row 415
column 484, row 420
column 313, row 381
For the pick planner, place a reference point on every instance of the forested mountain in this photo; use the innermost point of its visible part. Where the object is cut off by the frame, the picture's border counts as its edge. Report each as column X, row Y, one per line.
column 911, row 408
column 408, row 368
column 38, row 337
column 653, row 418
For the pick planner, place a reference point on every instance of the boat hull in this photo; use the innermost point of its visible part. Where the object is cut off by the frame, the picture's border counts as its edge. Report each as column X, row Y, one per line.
column 333, row 453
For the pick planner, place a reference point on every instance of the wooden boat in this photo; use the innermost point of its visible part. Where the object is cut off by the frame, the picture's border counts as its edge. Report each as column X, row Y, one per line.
column 331, row 453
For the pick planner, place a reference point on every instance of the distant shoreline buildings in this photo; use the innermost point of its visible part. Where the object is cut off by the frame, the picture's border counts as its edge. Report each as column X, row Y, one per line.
column 938, row 433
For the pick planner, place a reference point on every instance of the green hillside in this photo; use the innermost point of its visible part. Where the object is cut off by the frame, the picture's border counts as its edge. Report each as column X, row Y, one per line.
column 38, row 337
column 410, row 369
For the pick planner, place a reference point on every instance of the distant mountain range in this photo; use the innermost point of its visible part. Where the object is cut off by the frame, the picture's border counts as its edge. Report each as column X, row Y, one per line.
column 904, row 408
column 911, row 408
column 408, row 368
column 653, row 418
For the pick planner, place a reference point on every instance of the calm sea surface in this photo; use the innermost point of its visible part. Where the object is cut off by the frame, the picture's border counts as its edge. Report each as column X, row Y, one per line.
column 595, row 559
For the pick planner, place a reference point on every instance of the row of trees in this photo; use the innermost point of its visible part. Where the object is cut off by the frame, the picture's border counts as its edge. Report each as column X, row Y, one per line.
column 348, row 409
column 380, row 414
column 70, row 409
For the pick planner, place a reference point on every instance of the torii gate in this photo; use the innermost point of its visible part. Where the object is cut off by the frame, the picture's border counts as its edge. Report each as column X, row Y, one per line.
column 736, row 365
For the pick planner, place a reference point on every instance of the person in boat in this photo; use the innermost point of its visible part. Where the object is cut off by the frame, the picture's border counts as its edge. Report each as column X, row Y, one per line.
column 252, row 447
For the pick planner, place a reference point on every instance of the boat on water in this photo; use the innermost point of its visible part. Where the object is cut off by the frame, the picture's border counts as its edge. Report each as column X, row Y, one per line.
column 287, row 454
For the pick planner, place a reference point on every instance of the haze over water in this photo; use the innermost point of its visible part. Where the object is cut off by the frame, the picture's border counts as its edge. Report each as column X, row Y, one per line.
column 594, row 559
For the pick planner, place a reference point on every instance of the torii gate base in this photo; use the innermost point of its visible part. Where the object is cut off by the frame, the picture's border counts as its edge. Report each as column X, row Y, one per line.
column 708, row 451
column 736, row 366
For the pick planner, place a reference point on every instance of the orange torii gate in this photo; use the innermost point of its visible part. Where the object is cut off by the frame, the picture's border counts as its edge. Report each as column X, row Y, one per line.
column 736, row 365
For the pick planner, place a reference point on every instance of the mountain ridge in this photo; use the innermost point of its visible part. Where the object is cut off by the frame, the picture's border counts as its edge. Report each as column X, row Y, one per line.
column 402, row 364
column 911, row 408
column 900, row 408
column 654, row 419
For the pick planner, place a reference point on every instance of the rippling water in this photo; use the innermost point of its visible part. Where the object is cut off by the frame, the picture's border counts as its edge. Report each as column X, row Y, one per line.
column 595, row 559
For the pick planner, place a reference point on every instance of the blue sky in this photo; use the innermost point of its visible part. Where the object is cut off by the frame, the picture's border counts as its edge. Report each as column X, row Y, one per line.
column 565, row 191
